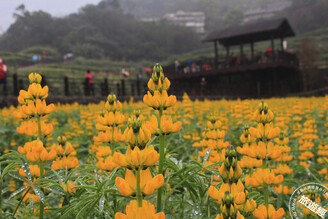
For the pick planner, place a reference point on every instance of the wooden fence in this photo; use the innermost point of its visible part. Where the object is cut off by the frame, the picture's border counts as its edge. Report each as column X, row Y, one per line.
column 72, row 87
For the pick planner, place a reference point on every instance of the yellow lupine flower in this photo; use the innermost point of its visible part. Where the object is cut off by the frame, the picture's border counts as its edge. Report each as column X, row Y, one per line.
column 148, row 184
column 108, row 164
column 40, row 108
column 30, row 128
column 65, row 162
column 167, row 125
column 263, row 213
column 137, row 158
column 263, row 176
column 283, row 189
column 35, row 152
column 108, row 136
column 34, row 78
column 160, row 100
column 264, row 131
column 147, row 211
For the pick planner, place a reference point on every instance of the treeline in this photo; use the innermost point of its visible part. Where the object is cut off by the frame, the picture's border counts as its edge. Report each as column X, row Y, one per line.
column 307, row 15
column 97, row 32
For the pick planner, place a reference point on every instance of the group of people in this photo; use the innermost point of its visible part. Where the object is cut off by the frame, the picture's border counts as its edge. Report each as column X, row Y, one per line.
column 259, row 57
column 191, row 66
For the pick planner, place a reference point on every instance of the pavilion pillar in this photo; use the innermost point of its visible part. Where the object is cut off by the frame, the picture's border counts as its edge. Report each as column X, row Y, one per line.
column 282, row 44
column 216, row 54
column 252, row 52
column 272, row 47
column 228, row 51
column 241, row 54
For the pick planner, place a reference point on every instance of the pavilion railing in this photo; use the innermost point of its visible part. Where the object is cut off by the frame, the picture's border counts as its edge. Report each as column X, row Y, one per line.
column 232, row 61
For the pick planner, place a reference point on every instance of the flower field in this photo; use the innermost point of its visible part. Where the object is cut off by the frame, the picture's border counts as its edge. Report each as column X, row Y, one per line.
column 160, row 158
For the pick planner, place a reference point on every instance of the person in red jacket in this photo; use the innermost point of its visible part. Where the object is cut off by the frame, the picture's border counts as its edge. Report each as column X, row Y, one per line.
column 3, row 76
column 89, row 83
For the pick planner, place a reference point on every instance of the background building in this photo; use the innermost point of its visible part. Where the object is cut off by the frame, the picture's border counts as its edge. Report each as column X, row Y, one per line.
column 194, row 20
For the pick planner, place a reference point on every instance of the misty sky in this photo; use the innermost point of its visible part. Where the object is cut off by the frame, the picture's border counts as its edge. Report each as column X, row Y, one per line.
column 54, row 7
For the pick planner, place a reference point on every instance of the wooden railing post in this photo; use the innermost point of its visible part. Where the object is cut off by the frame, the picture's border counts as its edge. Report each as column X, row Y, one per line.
column 118, row 90
column 15, row 85
column 106, row 87
column 123, row 87
column 66, row 86
column 132, row 90
column 138, row 88
column 43, row 81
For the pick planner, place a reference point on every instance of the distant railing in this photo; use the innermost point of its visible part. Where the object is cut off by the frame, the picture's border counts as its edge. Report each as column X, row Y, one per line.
column 71, row 86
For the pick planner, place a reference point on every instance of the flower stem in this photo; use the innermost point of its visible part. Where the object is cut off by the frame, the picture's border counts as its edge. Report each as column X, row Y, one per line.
column 41, row 204
column 1, row 182
column 21, row 201
column 112, row 146
column 160, row 165
column 39, row 128
column 266, row 196
column 139, row 195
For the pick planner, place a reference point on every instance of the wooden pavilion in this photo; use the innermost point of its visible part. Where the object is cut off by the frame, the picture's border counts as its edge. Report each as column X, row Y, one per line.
column 274, row 72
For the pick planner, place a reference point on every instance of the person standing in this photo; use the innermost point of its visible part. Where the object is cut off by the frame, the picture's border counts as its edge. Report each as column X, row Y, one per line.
column 89, row 83
column 3, row 76
column 177, row 66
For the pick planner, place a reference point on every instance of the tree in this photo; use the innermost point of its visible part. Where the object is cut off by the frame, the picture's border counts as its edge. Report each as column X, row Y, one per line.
column 308, row 58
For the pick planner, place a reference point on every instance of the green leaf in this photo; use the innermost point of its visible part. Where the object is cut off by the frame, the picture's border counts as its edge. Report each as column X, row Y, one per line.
column 55, row 189
column 38, row 192
column 18, row 191
column 101, row 203
column 26, row 169
column 9, row 168
column 171, row 164
column 17, row 176
column 68, row 213
column 207, row 154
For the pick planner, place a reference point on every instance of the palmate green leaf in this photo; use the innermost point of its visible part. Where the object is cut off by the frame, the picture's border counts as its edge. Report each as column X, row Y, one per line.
column 39, row 193
column 12, row 155
column 68, row 212
column 47, row 180
column 85, row 187
column 19, row 177
column 55, row 189
column 188, row 168
column 171, row 165
column 107, row 180
column 207, row 154
column 68, row 177
column 9, row 168
column 59, row 177
column 26, row 169
column 88, row 204
column 102, row 203
column 214, row 165
column 18, row 191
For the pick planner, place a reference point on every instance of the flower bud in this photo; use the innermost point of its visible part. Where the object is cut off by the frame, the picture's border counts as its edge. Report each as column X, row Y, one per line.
column 61, row 140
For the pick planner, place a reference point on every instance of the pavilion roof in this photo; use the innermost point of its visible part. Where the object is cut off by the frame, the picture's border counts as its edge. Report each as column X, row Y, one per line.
column 255, row 32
